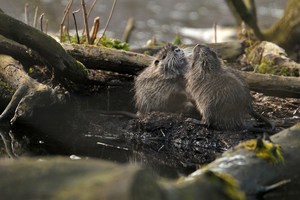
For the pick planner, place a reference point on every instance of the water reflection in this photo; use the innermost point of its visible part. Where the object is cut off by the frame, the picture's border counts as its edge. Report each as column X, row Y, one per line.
column 156, row 17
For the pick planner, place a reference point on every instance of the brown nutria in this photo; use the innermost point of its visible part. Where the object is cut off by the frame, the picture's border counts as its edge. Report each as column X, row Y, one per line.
column 222, row 97
column 161, row 86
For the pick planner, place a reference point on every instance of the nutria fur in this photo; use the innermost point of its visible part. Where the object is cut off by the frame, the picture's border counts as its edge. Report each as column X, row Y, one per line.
column 161, row 86
column 222, row 97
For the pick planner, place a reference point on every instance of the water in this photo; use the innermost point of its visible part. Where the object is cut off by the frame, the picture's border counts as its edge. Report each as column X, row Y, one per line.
column 160, row 18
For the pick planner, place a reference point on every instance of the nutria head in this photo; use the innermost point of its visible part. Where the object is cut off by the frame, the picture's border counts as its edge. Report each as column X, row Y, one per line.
column 205, row 59
column 171, row 60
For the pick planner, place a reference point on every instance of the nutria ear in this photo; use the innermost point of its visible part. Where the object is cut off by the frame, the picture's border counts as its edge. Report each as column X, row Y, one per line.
column 156, row 62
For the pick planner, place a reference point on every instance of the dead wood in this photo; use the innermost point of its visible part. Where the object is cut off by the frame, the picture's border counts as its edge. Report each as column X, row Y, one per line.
column 27, row 93
column 102, row 58
column 253, row 169
column 51, row 51
column 280, row 86
column 262, row 167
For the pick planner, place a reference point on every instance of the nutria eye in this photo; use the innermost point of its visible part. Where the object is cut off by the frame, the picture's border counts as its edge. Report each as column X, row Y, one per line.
column 177, row 50
column 156, row 62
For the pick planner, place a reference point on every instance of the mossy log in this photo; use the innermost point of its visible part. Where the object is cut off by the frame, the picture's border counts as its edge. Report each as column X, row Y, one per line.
column 51, row 51
column 132, row 63
column 262, row 167
column 252, row 169
column 279, row 86
column 24, row 93
column 102, row 58
column 269, row 58
column 125, row 62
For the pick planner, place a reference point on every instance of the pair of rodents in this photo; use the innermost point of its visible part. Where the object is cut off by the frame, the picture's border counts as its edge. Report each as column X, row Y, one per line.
column 220, row 95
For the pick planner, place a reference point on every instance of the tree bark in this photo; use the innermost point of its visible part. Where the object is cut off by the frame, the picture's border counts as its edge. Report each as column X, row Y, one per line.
column 279, row 86
column 284, row 32
column 102, row 58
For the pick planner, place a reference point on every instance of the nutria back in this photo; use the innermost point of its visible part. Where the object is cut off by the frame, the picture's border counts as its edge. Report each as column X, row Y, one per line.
column 222, row 98
column 161, row 86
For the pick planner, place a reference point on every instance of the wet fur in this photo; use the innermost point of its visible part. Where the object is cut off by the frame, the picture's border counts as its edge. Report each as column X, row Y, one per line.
column 222, row 97
column 161, row 86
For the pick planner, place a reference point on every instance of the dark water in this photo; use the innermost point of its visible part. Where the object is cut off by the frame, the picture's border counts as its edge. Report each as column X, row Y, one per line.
column 162, row 18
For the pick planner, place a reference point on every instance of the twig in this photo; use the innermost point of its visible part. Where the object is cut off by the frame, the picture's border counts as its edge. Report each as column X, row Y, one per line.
column 86, row 24
column 95, row 29
column 26, row 13
column 46, row 29
column 215, row 31
column 66, row 11
column 8, row 144
column 89, row 13
column 128, row 29
column 91, row 8
column 35, row 17
column 275, row 186
column 109, row 18
column 41, row 21
column 76, row 29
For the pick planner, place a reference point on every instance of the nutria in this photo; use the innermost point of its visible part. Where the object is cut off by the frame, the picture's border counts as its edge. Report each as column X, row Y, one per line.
column 161, row 86
column 222, row 97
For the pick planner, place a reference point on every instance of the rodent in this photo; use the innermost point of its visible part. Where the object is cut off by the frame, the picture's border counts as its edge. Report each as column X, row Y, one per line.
column 161, row 85
column 221, row 96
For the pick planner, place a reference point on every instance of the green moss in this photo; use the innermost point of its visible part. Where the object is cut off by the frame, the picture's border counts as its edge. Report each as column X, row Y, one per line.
column 105, row 41
column 266, row 67
column 177, row 40
column 113, row 43
column 6, row 90
column 264, row 149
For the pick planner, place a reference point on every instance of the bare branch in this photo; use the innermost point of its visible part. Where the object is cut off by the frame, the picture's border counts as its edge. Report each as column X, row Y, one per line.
column 109, row 18
column 86, row 23
column 35, row 17
column 41, row 21
column 76, row 29
column 66, row 11
column 26, row 13
column 128, row 29
column 95, row 29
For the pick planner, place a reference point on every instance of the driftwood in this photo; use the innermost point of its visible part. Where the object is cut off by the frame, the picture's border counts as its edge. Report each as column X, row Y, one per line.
column 252, row 169
column 27, row 93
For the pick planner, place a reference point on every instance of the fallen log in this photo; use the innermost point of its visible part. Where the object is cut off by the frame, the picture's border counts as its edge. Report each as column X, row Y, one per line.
column 51, row 51
column 253, row 169
column 272, row 85
column 263, row 168
column 107, row 59
column 26, row 92
column 132, row 63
